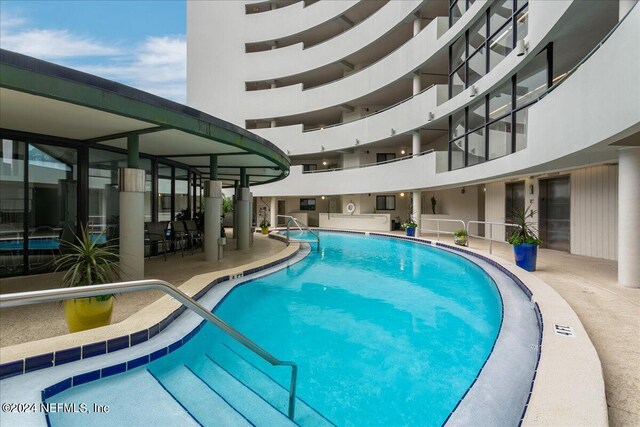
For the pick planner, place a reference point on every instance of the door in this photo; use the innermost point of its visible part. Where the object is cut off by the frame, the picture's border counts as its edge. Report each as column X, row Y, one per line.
column 514, row 201
column 281, row 211
column 555, row 213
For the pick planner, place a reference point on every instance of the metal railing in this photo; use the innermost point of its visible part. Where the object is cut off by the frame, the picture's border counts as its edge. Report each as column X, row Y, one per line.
column 438, row 220
column 50, row 295
column 397, row 159
column 490, row 224
column 302, row 227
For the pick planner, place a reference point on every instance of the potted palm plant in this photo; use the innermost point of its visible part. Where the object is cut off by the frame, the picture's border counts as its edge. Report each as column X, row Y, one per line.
column 460, row 237
column 87, row 262
column 410, row 226
column 524, row 239
column 264, row 225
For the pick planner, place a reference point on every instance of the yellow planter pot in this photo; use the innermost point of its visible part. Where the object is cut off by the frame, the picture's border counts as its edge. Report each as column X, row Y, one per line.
column 265, row 230
column 87, row 313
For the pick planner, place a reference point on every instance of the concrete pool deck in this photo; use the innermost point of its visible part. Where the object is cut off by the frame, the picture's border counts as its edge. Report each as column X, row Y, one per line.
column 610, row 315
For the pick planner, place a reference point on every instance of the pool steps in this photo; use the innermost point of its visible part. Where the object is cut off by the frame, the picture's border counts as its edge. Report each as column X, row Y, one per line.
column 233, row 362
column 202, row 403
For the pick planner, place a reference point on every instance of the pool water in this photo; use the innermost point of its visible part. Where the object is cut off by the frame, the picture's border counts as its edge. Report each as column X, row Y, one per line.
column 384, row 331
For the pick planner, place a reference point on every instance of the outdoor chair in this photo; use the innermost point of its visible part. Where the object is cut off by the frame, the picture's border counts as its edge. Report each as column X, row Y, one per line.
column 156, row 232
column 194, row 234
column 180, row 233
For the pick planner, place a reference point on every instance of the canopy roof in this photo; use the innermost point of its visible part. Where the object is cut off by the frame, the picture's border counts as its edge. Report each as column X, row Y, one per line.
column 38, row 97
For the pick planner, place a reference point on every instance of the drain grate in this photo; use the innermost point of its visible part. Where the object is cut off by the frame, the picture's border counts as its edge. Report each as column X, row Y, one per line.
column 567, row 331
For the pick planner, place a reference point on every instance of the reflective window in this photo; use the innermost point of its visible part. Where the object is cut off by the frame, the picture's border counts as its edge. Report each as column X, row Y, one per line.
column 456, row 151
column 12, row 214
column 522, row 24
column 499, row 13
column 500, row 101
column 477, row 114
column 477, row 67
column 164, row 192
column 477, row 35
column 500, row 138
column 476, row 146
column 456, row 81
column 522, row 123
column 181, row 196
column 500, row 45
column 531, row 81
column 458, row 52
column 457, row 124
column 386, row 203
column 458, row 8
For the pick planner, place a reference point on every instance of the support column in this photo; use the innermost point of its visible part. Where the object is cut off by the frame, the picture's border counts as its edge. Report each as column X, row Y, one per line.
column 243, row 200
column 629, row 217
column 235, row 209
column 212, row 213
column 273, row 218
column 417, row 85
column 417, row 209
column 417, row 147
column 417, row 24
column 131, row 223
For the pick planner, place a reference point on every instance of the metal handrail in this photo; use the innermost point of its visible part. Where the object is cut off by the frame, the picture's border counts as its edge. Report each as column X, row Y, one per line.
column 50, row 295
column 490, row 224
column 397, row 159
column 299, row 224
column 438, row 220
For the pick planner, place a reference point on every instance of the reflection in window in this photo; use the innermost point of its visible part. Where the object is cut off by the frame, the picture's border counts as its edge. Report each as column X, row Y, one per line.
column 522, row 123
column 476, row 143
column 477, row 65
column 477, row 114
column 181, row 202
column 11, row 207
column 532, row 80
column 500, row 101
column 499, row 13
column 164, row 192
column 385, row 203
column 457, row 124
column 456, row 149
column 522, row 23
column 457, row 9
column 307, row 204
column 500, row 45
column 500, row 138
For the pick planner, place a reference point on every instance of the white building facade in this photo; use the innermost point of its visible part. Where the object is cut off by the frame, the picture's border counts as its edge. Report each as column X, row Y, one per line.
column 386, row 107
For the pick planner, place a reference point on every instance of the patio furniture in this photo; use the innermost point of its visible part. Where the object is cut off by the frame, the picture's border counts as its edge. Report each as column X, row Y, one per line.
column 180, row 233
column 195, row 235
column 156, row 232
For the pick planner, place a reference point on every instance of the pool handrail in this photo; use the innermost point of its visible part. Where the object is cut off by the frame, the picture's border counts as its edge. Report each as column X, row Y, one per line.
column 490, row 224
column 300, row 226
column 50, row 295
column 438, row 220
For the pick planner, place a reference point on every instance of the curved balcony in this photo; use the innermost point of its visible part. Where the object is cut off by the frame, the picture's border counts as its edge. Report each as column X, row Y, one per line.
column 294, row 59
column 292, row 20
column 548, row 18
column 292, row 100
column 570, row 126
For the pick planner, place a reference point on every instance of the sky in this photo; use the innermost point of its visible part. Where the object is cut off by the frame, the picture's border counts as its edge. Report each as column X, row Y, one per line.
column 140, row 43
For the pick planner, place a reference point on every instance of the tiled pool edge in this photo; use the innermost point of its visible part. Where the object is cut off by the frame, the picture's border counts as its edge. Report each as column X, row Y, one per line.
column 85, row 351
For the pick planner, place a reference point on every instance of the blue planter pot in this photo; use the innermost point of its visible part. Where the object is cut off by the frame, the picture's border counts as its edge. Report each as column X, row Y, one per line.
column 411, row 231
column 526, row 255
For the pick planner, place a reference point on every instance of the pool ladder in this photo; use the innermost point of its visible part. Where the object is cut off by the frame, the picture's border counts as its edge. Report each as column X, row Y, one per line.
column 300, row 226
column 49, row 295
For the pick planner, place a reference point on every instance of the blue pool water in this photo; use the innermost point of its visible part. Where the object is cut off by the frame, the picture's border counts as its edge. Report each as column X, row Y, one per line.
column 385, row 332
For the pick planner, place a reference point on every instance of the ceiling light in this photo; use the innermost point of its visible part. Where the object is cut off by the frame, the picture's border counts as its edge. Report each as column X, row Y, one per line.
column 521, row 47
column 402, row 151
column 324, row 163
column 473, row 91
column 401, row 194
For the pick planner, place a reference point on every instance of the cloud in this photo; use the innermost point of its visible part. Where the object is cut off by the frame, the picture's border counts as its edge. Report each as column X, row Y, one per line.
column 157, row 64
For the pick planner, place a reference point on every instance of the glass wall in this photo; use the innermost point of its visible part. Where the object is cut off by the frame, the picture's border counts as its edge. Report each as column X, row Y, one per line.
column 181, row 196
column 457, row 8
column 496, row 125
column 12, row 207
column 165, row 200
column 486, row 43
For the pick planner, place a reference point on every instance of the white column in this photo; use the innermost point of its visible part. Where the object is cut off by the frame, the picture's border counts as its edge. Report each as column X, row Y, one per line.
column 273, row 219
column 624, row 7
column 244, row 217
column 131, row 223
column 629, row 217
column 417, row 148
column 417, row 209
column 212, row 212
column 417, row 24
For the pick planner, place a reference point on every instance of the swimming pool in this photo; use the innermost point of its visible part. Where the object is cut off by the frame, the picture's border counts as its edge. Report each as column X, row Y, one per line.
column 385, row 332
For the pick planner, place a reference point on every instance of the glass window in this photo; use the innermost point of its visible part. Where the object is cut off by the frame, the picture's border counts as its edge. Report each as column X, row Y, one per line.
column 148, row 178
column 307, row 204
column 477, row 35
column 500, row 45
column 500, row 101
column 522, row 24
column 104, row 195
column 499, row 13
column 181, row 195
column 458, row 53
column 457, row 154
column 477, row 67
column 457, row 10
column 12, row 212
column 457, row 124
column 476, row 144
column 386, row 203
column 531, row 81
column 164, row 192
column 520, row 3
column 456, row 82
column 500, row 138
column 522, row 124
column 385, row 157
column 477, row 114
column 309, row 167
